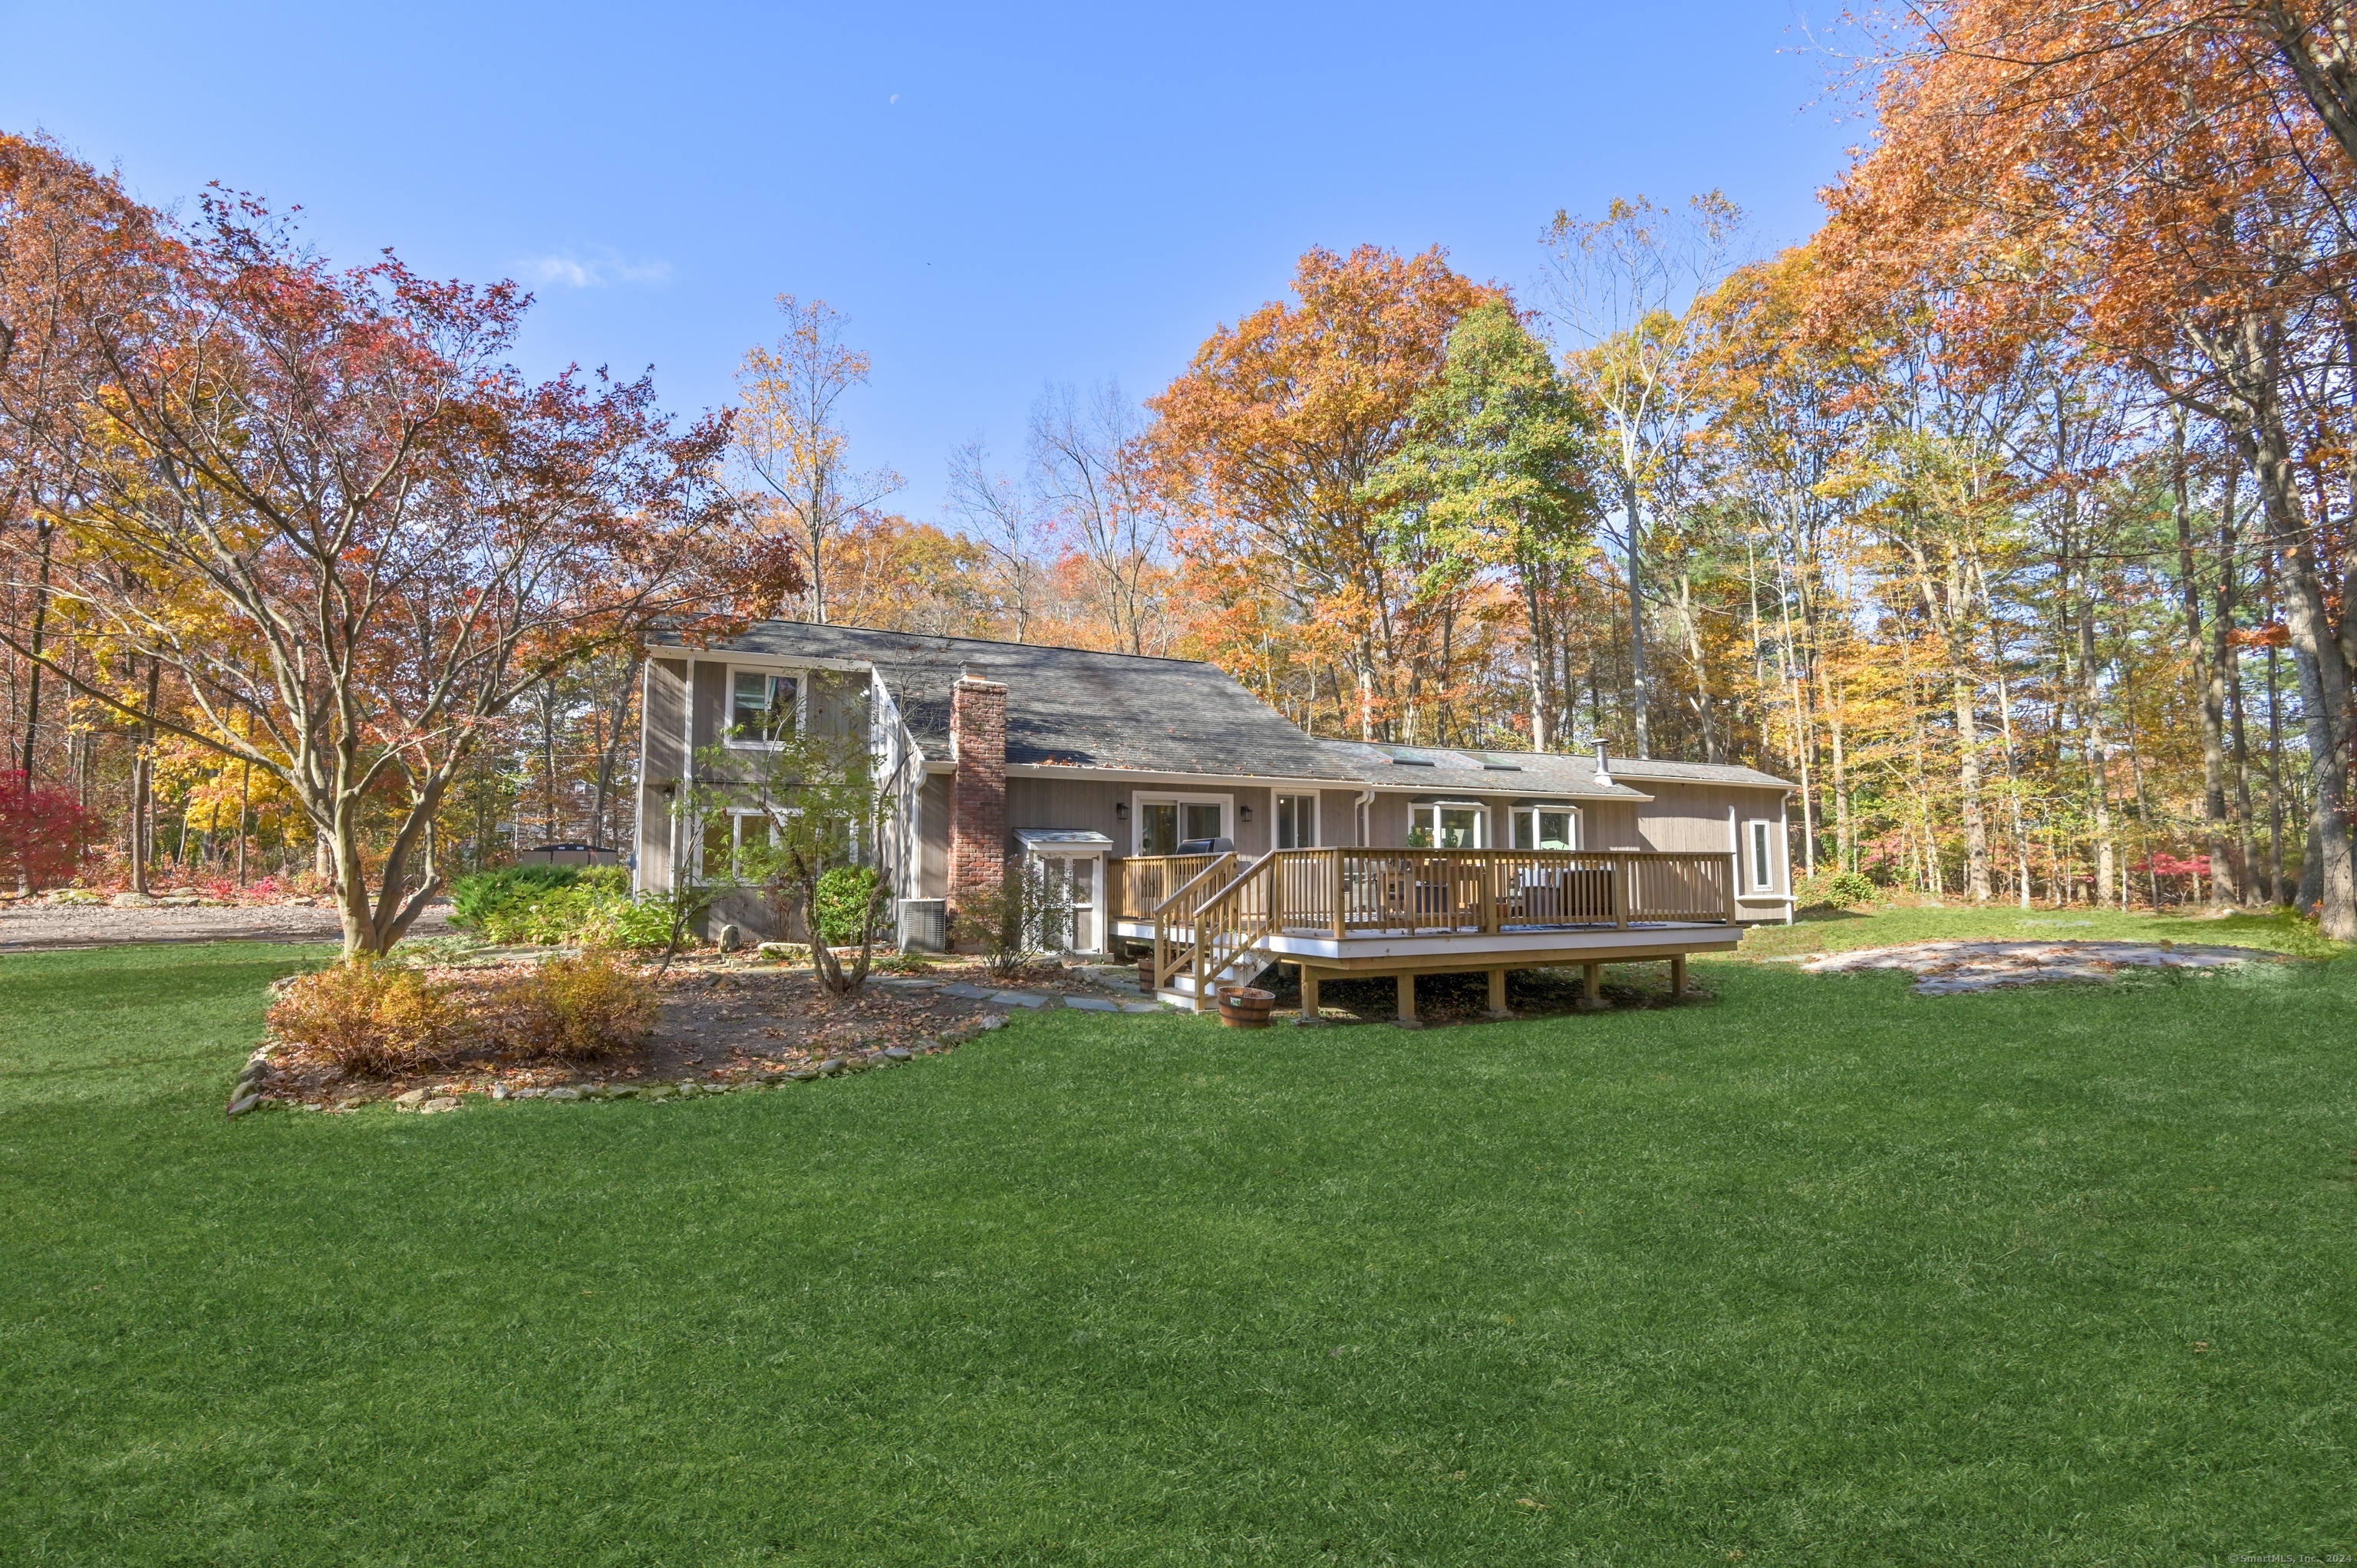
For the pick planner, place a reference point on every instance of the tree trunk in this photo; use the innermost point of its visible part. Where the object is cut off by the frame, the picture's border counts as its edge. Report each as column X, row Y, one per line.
column 1968, row 746
column 2312, row 869
column 2090, row 717
column 143, row 788
column 245, row 815
column 1641, row 687
column 2250, row 362
column 39, row 628
column 2207, row 663
column 2274, row 782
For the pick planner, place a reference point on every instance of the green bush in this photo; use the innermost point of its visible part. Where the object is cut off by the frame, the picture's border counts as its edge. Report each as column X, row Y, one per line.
column 645, row 925
column 522, row 904
column 476, row 897
column 842, row 896
column 1836, row 889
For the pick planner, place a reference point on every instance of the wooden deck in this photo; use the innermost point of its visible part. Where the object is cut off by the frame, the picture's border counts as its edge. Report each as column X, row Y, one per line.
column 1216, row 919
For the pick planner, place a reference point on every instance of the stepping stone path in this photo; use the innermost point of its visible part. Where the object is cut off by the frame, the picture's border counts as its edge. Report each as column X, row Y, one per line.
column 1945, row 969
column 1021, row 998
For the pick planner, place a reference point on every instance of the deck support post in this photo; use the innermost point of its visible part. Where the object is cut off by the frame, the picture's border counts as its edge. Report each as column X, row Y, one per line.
column 1497, row 994
column 1309, row 1014
column 1591, row 988
column 1407, row 1018
column 1677, row 976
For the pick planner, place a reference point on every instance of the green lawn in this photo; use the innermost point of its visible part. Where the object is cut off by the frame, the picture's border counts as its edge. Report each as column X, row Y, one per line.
column 1820, row 1273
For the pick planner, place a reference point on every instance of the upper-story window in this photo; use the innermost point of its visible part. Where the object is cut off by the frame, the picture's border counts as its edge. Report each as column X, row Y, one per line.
column 764, row 707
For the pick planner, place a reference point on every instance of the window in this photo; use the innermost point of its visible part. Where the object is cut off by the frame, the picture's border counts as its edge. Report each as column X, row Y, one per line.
column 1297, row 822
column 1547, row 827
column 1763, row 858
column 1165, row 822
column 763, row 707
column 1448, row 824
column 727, row 834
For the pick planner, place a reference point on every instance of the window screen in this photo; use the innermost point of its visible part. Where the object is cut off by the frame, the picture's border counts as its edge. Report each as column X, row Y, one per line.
column 1763, row 859
column 761, row 706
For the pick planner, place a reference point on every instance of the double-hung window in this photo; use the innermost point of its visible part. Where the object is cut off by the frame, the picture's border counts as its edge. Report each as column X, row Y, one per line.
column 1547, row 827
column 763, row 707
column 1448, row 824
column 729, row 835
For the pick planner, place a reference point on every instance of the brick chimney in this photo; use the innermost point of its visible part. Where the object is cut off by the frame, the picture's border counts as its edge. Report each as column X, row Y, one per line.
column 977, row 794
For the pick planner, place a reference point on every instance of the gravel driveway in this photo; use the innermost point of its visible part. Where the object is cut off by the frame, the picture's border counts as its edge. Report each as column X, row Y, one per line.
column 38, row 928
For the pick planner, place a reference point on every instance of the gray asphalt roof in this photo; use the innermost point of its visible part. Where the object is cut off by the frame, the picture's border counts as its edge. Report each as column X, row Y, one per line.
column 1696, row 772
column 1068, row 706
column 1437, row 771
column 1079, row 708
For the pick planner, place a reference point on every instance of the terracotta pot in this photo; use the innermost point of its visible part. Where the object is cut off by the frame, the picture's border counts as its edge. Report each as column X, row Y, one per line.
column 1245, row 1007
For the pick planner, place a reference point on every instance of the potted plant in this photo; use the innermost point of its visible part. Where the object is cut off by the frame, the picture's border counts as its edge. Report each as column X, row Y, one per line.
column 1245, row 1006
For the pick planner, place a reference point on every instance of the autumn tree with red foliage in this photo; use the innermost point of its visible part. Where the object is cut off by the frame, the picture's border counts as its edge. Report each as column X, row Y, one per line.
column 322, row 502
column 1274, row 433
column 2170, row 185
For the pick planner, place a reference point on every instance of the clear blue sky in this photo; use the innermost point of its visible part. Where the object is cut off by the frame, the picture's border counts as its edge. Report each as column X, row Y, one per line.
column 996, row 201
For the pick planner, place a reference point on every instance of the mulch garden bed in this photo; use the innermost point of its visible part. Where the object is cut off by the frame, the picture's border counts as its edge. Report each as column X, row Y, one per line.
column 728, row 1022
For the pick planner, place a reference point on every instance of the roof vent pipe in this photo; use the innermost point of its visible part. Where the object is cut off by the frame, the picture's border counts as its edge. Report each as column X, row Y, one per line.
column 1603, row 767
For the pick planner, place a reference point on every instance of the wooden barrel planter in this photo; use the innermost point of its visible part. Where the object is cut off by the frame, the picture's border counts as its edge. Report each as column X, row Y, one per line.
column 1245, row 1006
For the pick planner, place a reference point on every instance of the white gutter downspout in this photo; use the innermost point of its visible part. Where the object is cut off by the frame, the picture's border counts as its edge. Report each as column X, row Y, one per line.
column 1365, row 824
column 1734, row 841
column 1785, row 839
column 680, row 846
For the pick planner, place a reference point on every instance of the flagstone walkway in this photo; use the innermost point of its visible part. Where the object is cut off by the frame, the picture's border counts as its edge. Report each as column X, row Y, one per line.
column 1945, row 969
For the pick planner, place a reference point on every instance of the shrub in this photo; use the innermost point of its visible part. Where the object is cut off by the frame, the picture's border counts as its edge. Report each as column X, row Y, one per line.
column 843, row 900
column 1009, row 929
column 544, row 904
column 585, row 1004
column 478, row 894
column 644, row 925
column 367, row 1016
column 44, row 831
column 1836, row 889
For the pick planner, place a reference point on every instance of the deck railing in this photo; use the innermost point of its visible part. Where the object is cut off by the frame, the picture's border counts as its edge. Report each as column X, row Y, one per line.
column 1148, row 879
column 1176, row 934
column 1346, row 892
column 1226, row 909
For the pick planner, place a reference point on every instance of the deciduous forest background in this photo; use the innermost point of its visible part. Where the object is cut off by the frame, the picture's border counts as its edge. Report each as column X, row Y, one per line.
column 2007, row 517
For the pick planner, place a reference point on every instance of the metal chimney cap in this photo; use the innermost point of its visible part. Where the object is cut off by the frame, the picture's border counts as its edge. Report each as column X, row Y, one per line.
column 973, row 672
